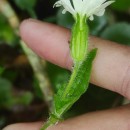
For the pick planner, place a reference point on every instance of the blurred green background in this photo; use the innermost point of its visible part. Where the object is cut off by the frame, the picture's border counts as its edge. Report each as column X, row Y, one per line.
column 21, row 98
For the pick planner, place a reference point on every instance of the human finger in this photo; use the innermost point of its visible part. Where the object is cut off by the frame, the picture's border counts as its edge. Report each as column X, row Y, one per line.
column 114, row 119
column 111, row 68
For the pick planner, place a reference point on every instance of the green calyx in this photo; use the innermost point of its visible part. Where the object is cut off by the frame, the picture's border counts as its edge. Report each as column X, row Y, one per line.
column 79, row 39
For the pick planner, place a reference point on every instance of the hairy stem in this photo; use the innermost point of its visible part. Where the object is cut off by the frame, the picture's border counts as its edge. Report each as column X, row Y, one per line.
column 69, row 94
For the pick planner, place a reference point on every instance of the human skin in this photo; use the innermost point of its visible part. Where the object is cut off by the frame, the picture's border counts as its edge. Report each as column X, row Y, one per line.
column 111, row 70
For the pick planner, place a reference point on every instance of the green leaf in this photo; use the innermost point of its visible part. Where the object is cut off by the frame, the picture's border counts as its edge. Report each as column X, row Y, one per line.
column 2, row 121
column 50, row 19
column 119, row 32
column 121, row 5
column 24, row 99
column 5, row 92
column 6, row 32
column 65, row 20
column 68, row 95
column 57, row 75
column 1, row 70
column 97, row 24
column 38, row 91
column 27, row 5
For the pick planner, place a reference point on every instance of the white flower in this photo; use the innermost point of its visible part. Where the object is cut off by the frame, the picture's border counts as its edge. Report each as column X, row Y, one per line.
column 84, row 7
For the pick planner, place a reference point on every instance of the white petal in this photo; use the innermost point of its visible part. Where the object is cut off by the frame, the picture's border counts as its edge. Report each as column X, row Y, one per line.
column 66, row 4
column 94, row 5
column 100, row 12
column 84, row 7
column 57, row 4
column 78, row 5
column 64, row 11
column 91, row 18
column 103, row 6
column 91, row 5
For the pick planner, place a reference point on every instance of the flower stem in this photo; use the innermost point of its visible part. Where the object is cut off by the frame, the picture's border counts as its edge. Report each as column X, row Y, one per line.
column 72, row 79
column 68, row 95
column 51, row 121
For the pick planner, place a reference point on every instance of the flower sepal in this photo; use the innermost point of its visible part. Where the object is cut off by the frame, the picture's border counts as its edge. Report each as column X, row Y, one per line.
column 79, row 39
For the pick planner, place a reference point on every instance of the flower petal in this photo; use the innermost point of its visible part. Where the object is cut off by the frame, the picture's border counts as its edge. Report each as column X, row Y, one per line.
column 91, row 5
column 91, row 18
column 57, row 4
column 100, row 11
column 84, row 7
column 66, row 4
column 78, row 5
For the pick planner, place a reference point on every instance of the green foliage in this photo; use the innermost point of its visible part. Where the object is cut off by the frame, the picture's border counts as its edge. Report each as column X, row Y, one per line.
column 5, row 92
column 38, row 92
column 24, row 99
column 121, row 5
column 1, row 70
column 78, row 84
column 97, row 24
column 8, row 99
column 6, row 32
column 119, row 32
column 69, row 93
column 57, row 75
column 2, row 121
column 65, row 20
column 27, row 5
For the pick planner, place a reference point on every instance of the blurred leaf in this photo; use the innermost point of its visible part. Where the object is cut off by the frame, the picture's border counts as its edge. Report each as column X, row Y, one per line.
column 97, row 24
column 1, row 70
column 121, row 5
column 37, row 89
column 119, row 32
column 51, row 19
column 65, row 20
column 2, row 121
column 24, row 99
column 6, row 32
column 57, row 75
column 10, row 74
column 5, row 92
column 27, row 5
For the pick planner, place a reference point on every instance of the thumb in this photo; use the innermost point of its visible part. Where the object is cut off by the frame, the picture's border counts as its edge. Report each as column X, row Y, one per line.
column 114, row 119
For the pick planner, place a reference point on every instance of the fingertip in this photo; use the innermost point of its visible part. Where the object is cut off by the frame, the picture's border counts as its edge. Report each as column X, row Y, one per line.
column 48, row 41
column 24, row 126
column 25, row 27
column 22, row 26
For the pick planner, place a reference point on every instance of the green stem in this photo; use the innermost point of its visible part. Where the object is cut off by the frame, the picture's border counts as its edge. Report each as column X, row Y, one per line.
column 51, row 121
column 39, row 72
column 68, row 95
column 72, row 79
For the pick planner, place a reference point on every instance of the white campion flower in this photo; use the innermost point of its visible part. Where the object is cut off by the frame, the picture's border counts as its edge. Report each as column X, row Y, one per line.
column 84, row 7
